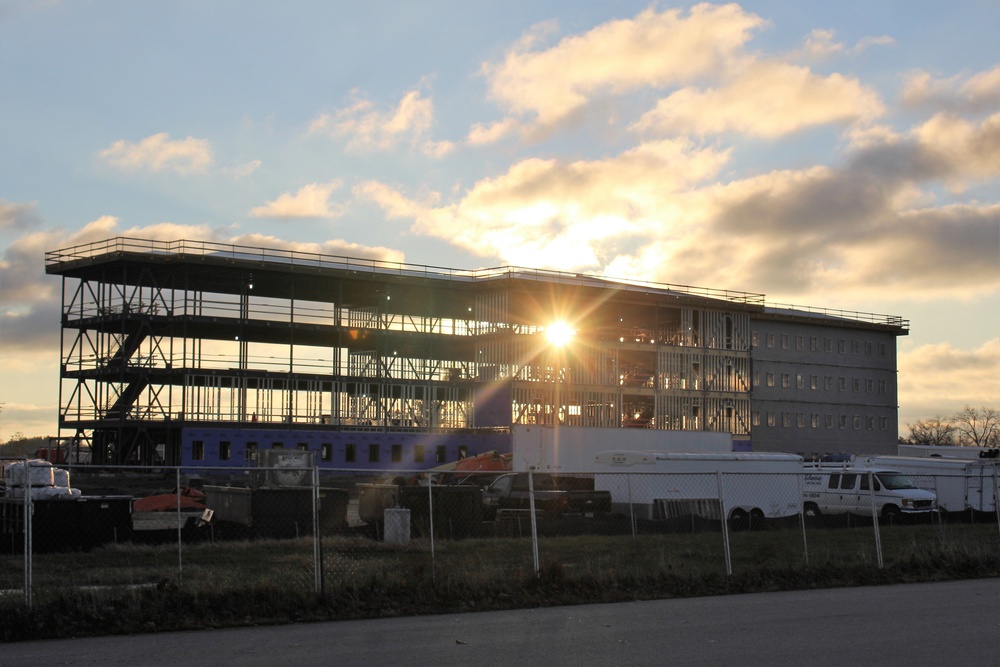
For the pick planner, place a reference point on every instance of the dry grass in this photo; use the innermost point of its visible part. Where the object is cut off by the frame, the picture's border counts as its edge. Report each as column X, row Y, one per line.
column 129, row 588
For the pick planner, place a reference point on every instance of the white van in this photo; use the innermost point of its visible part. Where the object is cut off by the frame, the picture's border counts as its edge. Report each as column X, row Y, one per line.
column 845, row 489
column 959, row 484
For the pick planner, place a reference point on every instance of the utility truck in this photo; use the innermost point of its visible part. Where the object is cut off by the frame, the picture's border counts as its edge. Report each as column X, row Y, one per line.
column 664, row 486
column 837, row 488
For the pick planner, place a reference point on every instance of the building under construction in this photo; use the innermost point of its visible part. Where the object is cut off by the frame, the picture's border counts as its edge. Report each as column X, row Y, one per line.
column 183, row 352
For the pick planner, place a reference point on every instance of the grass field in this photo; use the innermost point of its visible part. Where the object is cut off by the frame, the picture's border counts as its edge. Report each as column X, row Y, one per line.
column 128, row 588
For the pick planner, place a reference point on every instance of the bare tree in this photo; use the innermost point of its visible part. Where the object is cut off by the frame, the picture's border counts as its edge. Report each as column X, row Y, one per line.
column 978, row 428
column 935, row 431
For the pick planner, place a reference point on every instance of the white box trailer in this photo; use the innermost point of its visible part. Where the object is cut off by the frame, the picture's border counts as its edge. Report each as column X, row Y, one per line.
column 960, row 484
column 664, row 485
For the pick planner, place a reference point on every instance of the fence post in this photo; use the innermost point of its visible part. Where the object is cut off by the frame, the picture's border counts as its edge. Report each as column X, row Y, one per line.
column 317, row 537
column 725, row 524
column 802, row 519
column 28, row 537
column 534, row 524
column 996, row 500
column 180, row 547
column 878, row 534
column 430, row 517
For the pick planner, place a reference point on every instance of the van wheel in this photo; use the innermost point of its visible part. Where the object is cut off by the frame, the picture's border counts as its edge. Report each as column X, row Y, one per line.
column 891, row 514
column 739, row 519
column 756, row 519
column 811, row 510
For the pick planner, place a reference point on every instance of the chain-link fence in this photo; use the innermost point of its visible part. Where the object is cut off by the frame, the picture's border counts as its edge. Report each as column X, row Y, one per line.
column 302, row 530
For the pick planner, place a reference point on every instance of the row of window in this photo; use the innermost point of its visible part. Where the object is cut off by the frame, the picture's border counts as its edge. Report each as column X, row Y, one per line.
column 326, row 452
column 801, row 419
column 828, row 382
column 800, row 344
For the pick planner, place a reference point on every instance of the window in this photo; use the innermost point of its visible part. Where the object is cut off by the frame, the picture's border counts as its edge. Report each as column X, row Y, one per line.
column 855, row 347
column 814, row 382
column 881, row 386
column 770, row 379
column 856, row 384
column 784, row 341
column 373, row 453
column 277, row 445
column 881, row 349
column 756, row 378
column 396, row 453
column 856, row 422
column 828, row 383
column 225, row 450
column 841, row 346
column 843, row 384
column 829, row 421
column 786, row 419
column 755, row 339
column 198, row 450
column 870, row 423
column 418, row 453
column 868, row 348
column 800, row 342
column 785, row 380
column 813, row 343
column 350, row 452
column 815, row 421
column 755, row 418
column 770, row 419
column 770, row 340
column 251, row 451
column 326, row 451
column 869, row 385
column 828, row 345
column 800, row 420
column 834, row 482
column 800, row 381
column 843, row 421
column 883, row 423
column 463, row 451
column 847, row 482
column 439, row 454
column 302, row 447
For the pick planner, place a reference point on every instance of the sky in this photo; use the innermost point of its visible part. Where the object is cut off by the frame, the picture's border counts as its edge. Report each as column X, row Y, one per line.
column 839, row 155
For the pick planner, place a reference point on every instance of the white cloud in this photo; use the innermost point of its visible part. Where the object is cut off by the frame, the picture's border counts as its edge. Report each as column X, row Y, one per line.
column 17, row 216
column 310, row 201
column 961, row 93
column 158, row 152
column 766, row 98
column 369, row 129
column 651, row 50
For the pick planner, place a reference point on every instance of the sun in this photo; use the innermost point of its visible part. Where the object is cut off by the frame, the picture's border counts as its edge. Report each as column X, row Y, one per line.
column 559, row 333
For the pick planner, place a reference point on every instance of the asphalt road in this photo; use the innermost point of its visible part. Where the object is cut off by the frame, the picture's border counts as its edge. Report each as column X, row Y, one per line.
column 950, row 623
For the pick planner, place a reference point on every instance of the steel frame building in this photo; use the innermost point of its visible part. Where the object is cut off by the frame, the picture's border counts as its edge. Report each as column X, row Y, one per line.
column 187, row 351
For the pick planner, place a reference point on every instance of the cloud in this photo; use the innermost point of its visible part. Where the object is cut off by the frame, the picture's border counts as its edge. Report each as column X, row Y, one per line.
column 820, row 45
column 158, row 153
column 654, row 49
column 577, row 215
column 940, row 379
column 369, row 129
column 18, row 216
column 962, row 93
column 765, row 98
column 244, row 170
column 333, row 247
column 311, row 201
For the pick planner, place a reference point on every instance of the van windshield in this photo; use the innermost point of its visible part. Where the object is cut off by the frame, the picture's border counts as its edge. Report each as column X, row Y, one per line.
column 894, row 482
